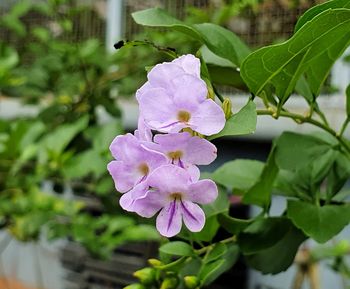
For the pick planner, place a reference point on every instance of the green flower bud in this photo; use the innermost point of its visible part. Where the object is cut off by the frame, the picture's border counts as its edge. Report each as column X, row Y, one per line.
column 191, row 282
column 169, row 283
column 227, row 107
column 147, row 276
column 135, row 286
column 155, row 262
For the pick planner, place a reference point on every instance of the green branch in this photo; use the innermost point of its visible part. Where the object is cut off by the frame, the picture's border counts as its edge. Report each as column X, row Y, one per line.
column 302, row 119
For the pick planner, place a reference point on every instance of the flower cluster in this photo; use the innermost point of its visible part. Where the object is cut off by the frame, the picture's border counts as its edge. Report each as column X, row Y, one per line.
column 159, row 173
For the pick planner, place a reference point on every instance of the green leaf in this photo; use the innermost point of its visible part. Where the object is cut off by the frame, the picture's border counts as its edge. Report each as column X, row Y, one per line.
column 176, row 248
column 209, row 230
column 233, row 225
column 238, row 175
column 219, row 40
column 314, row 11
column 58, row 140
column 263, row 233
column 348, row 101
column 262, row 69
column 320, row 223
column 241, row 123
column 280, row 256
column 156, row 17
column 294, row 150
column 226, row 76
column 260, row 193
column 223, row 42
column 212, row 270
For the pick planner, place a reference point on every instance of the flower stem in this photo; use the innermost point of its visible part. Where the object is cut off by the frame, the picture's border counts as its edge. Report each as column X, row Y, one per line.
column 211, row 246
column 344, row 126
column 302, row 119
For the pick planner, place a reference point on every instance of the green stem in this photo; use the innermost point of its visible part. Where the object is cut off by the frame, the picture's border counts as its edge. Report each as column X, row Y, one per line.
column 302, row 119
column 211, row 246
column 344, row 126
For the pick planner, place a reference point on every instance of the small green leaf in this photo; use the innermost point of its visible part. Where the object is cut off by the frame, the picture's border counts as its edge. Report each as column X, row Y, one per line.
column 212, row 270
column 223, row 42
column 240, row 174
column 176, row 248
column 241, row 123
column 218, row 250
column 220, row 205
column 233, row 225
column 319, row 223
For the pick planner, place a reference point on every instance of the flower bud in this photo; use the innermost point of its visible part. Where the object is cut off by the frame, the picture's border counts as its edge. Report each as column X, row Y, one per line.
column 211, row 93
column 191, row 282
column 147, row 276
column 227, row 107
column 169, row 283
column 155, row 262
column 135, row 286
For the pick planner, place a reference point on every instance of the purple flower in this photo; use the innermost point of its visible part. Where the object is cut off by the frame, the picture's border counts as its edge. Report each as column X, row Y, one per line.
column 187, row 106
column 134, row 161
column 172, row 191
column 143, row 132
column 184, row 150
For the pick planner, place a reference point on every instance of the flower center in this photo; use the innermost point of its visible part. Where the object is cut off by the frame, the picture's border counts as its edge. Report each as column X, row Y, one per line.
column 175, row 155
column 176, row 196
column 183, row 116
column 143, row 169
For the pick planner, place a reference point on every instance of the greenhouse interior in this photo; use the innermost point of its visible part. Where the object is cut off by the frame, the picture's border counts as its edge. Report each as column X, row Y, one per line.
column 174, row 144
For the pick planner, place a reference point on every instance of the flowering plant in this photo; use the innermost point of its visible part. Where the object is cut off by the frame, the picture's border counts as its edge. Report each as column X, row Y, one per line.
column 156, row 167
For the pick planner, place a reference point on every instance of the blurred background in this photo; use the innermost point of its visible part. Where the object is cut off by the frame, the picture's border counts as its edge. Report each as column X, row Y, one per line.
column 65, row 93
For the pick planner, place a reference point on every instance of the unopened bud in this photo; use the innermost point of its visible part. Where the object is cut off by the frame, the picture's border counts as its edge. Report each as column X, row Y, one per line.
column 227, row 107
column 191, row 282
column 211, row 93
column 147, row 276
column 135, row 286
column 169, row 283
column 155, row 262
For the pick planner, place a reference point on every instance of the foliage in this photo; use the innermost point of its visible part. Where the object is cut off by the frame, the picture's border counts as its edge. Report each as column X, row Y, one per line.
column 310, row 171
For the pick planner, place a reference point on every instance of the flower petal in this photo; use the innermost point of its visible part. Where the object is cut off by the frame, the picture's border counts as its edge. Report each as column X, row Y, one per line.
column 190, row 92
column 169, row 220
column 169, row 179
column 208, row 119
column 150, row 203
column 126, row 148
column 199, row 151
column 123, row 176
column 157, row 108
column 202, row 192
column 193, row 216
column 189, row 63
column 143, row 132
column 162, row 74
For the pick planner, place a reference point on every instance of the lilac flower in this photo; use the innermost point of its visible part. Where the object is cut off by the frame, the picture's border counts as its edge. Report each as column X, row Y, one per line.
column 170, row 110
column 143, row 132
column 172, row 192
column 184, row 150
column 133, row 163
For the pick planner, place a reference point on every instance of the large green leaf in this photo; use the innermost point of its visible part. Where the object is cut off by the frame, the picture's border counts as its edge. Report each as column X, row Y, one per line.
column 260, row 193
column 176, row 248
column 320, row 223
column 241, row 123
column 294, row 150
column 238, row 175
column 281, row 66
column 219, row 40
column 263, row 233
column 233, row 225
column 280, row 256
column 314, row 11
